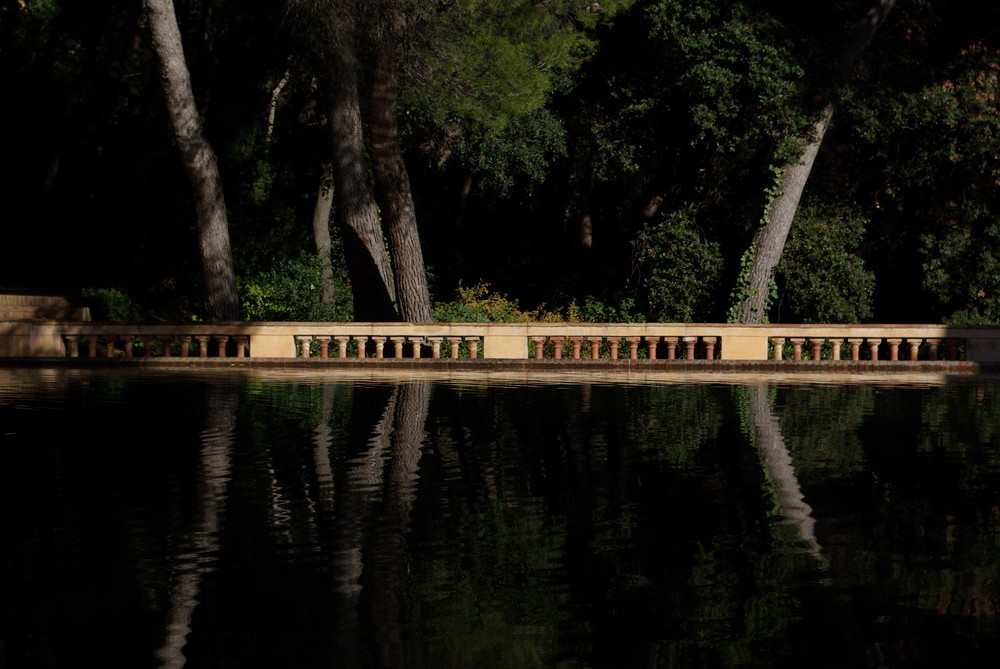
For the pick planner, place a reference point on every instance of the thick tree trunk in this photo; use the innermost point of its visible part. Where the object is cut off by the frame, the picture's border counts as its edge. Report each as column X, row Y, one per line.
column 321, row 233
column 367, row 261
column 769, row 242
column 392, row 183
column 219, row 283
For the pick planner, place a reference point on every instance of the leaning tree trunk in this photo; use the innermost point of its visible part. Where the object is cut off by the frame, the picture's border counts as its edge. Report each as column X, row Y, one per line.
column 392, row 183
column 219, row 284
column 321, row 233
column 367, row 262
column 769, row 242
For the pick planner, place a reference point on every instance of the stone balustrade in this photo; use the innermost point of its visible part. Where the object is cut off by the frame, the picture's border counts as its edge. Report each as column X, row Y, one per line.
column 570, row 341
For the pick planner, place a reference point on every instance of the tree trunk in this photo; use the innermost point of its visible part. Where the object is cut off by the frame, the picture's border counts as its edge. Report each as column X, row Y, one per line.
column 392, row 183
column 219, row 283
column 367, row 261
column 769, row 242
column 321, row 233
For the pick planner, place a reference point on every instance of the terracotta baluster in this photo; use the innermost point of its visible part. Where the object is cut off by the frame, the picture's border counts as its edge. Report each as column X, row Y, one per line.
column 473, row 347
column 72, row 345
column 689, row 344
column 651, row 342
column 415, row 344
column 835, row 345
column 109, row 346
column 817, row 347
column 932, row 348
column 595, row 347
column 184, row 345
column 241, row 345
column 778, row 344
column 324, row 346
column 167, row 341
column 633, row 347
column 202, row 345
column 709, row 347
column 576, row 342
column 379, row 346
column 539, row 347
column 92, row 346
column 894, row 348
column 797, row 343
column 952, row 345
column 873, row 345
column 147, row 346
column 435, row 346
column 613, row 343
column 342, row 342
column 220, row 345
column 397, row 346
column 454, row 341
column 557, row 346
column 671, row 343
column 914, row 349
column 129, row 344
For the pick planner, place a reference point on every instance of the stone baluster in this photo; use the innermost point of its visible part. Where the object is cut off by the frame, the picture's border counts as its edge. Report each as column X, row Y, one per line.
column 778, row 345
column 952, row 345
column 454, row 341
column 147, row 346
column 415, row 344
column 342, row 341
column 242, row 341
column 914, row 349
column 651, row 342
column 633, row 347
column 220, row 345
column 932, row 348
column 539, row 347
column 817, row 347
column 435, row 346
column 305, row 342
column 835, row 345
column 92, row 346
column 671, row 343
column 379, row 346
column 397, row 346
column 72, row 345
column 595, row 347
column 557, row 346
column 184, row 345
column 473, row 347
column 894, row 348
column 797, row 343
column 689, row 344
column 873, row 345
column 167, row 341
column 613, row 343
column 203, row 345
column 129, row 341
column 109, row 346
column 709, row 347
column 324, row 346
column 576, row 342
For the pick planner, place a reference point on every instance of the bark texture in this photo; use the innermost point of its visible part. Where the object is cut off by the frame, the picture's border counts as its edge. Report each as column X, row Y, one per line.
column 367, row 261
column 769, row 242
column 219, row 283
column 392, row 182
column 321, row 233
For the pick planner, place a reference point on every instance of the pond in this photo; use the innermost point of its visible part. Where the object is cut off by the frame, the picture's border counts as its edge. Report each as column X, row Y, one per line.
column 304, row 520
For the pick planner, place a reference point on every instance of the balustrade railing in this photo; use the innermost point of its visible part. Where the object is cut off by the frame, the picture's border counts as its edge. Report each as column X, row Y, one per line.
column 553, row 341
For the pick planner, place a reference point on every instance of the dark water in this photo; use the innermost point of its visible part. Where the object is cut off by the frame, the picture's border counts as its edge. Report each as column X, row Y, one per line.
column 282, row 522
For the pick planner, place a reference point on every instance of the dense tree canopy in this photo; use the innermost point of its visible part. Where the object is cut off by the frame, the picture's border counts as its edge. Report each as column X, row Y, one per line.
column 621, row 154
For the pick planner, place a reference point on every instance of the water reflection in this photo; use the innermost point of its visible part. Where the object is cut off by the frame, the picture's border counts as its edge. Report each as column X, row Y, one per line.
column 276, row 522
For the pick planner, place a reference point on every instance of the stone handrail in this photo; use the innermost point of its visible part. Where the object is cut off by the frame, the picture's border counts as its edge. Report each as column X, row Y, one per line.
column 666, row 341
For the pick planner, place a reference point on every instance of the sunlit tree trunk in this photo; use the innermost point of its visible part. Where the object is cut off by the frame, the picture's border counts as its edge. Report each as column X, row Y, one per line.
column 219, row 283
column 321, row 233
column 769, row 242
column 392, row 182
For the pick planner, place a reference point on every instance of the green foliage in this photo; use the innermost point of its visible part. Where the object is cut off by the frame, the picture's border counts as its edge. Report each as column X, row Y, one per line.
column 291, row 290
column 110, row 304
column 825, row 281
column 742, row 291
column 680, row 270
column 962, row 272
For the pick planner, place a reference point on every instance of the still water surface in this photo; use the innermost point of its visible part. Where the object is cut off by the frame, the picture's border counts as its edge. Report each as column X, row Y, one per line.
column 308, row 521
